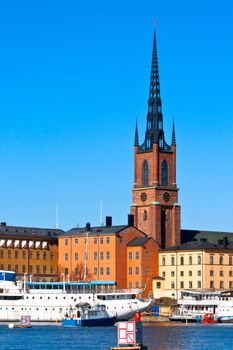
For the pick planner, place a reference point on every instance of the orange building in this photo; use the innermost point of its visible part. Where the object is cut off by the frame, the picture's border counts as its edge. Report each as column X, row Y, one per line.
column 103, row 253
column 30, row 252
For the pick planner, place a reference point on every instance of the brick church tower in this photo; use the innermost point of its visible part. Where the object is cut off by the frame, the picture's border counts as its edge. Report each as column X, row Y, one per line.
column 155, row 194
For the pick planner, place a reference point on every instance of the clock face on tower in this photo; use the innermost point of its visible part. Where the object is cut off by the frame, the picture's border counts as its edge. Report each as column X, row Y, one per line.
column 143, row 197
column 166, row 197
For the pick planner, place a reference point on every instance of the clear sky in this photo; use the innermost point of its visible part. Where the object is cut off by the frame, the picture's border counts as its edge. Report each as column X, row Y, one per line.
column 75, row 74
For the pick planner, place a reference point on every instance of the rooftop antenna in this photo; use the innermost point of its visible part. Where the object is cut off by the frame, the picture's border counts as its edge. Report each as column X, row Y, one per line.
column 101, row 213
column 57, row 217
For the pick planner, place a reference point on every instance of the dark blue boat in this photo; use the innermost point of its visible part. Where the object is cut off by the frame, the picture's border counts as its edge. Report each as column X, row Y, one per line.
column 86, row 316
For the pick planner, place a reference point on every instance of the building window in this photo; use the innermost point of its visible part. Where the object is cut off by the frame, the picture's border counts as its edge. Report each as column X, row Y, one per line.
column 2, row 253
column 44, row 255
column 101, row 271
column 163, row 261
column 221, row 273
column 95, row 255
column 75, row 256
column 95, row 271
column 230, row 274
column 44, row 269
column 16, row 268
column 2, row 266
column 23, row 254
column 199, row 272
column 130, row 284
column 164, row 173
column 130, row 270
column 147, row 255
column 66, row 256
column 145, row 215
column 211, row 272
column 107, row 240
column 173, row 261
column 220, row 260
column 9, row 267
column 158, row 285
column 101, row 240
column 38, row 255
column 137, row 255
column 66, row 241
column 198, row 284
column 121, row 240
column 221, row 285
column 130, row 255
column 95, row 240
column 66, row 271
column 172, row 285
column 51, row 256
column 211, row 284
column 16, row 254
column 164, row 274
column 76, row 241
column 230, row 260
column 190, row 284
column 101, row 255
column 172, row 273
column 181, row 284
column 24, row 268
column 190, row 260
column 137, row 284
column 108, row 255
column 147, row 271
column 9, row 254
column 181, row 260
column 181, row 273
column 137, row 270
column 30, row 269
column 190, row 273
column 199, row 260
column 211, row 259
column 145, row 173
column 51, row 269
column 230, row 284
column 108, row 270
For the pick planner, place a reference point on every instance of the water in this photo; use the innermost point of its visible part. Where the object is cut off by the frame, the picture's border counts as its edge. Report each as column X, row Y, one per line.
column 156, row 336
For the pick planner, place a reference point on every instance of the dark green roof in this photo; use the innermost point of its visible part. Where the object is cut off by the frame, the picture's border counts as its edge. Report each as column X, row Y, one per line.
column 200, row 235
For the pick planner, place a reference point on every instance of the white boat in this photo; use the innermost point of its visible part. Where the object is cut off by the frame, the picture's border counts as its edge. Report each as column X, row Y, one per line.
column 49, row 301
column 193, row 305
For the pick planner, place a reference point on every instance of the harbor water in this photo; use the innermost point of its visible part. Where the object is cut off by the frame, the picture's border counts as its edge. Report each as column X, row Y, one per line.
column 157, row 336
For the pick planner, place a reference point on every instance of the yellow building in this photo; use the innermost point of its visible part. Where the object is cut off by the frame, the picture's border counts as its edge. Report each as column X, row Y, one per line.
column 29, row 251
column 194, row 266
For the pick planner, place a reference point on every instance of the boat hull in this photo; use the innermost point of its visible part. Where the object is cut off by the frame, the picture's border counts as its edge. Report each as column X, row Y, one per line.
column 98, row 322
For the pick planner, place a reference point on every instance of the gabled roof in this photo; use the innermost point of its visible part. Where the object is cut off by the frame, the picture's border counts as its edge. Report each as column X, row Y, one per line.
column 16, row 231
column 210, row 236
column 95, row 230
column 199, row 246
column 138, row 241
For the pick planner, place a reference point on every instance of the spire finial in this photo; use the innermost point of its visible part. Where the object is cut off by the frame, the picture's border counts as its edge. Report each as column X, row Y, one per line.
column 136, row 142
column 173, row 133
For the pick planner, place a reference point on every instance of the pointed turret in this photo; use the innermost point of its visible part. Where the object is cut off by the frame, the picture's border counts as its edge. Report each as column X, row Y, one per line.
column 136, row 142
column 173, row 134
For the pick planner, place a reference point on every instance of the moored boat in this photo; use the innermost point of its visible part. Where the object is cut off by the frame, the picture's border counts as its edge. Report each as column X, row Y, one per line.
column 86, row 316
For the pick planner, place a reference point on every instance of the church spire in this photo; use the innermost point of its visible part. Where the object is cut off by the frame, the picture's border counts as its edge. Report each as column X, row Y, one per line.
column 173, row 134
column 154, row 128
column 136, row 142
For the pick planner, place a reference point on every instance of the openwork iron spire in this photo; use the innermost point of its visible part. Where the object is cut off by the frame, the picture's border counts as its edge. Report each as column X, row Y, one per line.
column 173, row 134
column 136, row 142
column 154, row 128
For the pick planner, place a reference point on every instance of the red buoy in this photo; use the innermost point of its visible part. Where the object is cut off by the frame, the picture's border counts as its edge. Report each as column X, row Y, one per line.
column 137, row 317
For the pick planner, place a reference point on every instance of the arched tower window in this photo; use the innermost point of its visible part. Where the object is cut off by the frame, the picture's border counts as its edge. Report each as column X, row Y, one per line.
column 145, row 173
column 164, row 173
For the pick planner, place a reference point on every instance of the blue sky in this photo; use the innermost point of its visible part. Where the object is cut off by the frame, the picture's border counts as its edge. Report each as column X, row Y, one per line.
column 74, row 76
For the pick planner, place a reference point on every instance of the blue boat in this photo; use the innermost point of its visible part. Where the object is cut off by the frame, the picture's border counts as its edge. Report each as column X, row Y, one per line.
column 86, row 316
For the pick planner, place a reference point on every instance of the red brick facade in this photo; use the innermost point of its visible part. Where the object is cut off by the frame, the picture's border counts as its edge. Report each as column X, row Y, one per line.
column 155, row 207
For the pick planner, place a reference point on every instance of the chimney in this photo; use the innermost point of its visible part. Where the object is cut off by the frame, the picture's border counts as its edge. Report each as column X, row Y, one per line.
column 88, row 226
column 130, row 220
column 108, row 221
column 225, row 242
